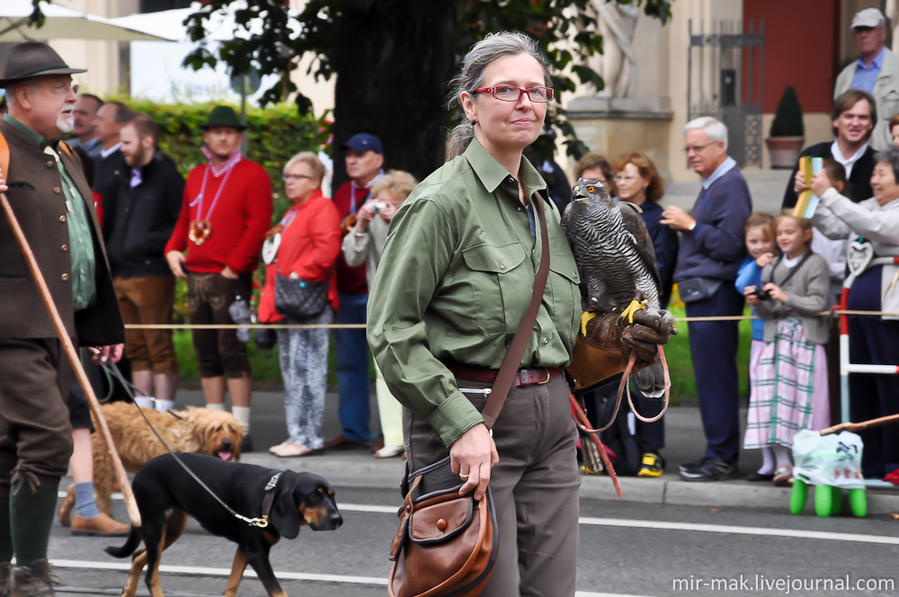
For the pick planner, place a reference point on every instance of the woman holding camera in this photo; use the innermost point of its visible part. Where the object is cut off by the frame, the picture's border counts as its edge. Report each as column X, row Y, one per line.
column 303, row 246
column 872, row 339
column 364, row 244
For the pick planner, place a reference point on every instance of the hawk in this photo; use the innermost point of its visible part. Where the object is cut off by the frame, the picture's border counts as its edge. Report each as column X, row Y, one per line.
column 616, row 260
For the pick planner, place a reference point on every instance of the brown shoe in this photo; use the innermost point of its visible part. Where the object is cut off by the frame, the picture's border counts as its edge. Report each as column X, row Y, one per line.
column 33, row 580
column 5, row 579
column 342, row 442
column 101, row 524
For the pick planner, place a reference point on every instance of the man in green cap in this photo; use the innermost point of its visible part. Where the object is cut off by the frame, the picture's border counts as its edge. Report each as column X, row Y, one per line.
column 52, row 201
column 226, row 211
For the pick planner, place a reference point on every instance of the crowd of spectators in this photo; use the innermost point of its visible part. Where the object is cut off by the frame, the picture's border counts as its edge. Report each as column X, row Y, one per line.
column 210, row 228
column 789, row 272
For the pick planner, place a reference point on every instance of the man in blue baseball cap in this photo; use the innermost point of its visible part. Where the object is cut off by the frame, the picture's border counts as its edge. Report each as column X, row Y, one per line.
column 364, row 159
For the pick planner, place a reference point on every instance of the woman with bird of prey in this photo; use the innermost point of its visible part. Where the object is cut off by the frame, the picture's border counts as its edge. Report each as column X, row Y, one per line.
column 454, row 284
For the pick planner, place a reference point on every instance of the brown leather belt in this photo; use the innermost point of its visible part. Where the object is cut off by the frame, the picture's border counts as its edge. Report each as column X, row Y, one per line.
column 523, row 377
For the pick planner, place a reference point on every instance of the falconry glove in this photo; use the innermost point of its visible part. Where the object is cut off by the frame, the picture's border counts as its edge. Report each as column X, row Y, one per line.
column 611, row 332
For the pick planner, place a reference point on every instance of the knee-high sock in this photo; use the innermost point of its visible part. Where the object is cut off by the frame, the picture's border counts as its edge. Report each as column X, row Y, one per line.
column 31, row 517
column 5, row 536
column 242, row 414
column 782, row 456
column 767, row 461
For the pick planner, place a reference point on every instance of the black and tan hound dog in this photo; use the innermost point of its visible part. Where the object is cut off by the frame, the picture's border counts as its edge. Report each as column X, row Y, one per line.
column 166, row 494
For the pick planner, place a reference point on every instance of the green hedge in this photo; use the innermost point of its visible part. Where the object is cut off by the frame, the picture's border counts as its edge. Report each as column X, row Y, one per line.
column 273, row 134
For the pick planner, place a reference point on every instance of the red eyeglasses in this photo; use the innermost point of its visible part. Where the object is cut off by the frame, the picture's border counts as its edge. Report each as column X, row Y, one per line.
column 508, row 93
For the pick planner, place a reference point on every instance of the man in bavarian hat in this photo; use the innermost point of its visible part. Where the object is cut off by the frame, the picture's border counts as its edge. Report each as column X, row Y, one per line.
column 226, row 211
column 52, row 202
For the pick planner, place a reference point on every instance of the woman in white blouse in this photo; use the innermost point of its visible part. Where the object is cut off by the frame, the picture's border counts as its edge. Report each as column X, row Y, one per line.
column 872, row 339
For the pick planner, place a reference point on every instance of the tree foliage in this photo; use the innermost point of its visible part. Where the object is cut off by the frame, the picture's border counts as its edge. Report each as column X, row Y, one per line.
column 554, row 23
column 273, row 40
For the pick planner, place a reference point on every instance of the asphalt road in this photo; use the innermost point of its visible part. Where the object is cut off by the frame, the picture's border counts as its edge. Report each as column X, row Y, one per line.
column 626, row 549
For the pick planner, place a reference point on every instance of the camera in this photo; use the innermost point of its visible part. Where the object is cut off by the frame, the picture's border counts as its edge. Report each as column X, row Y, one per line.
column 377, row 206
column 762, row 295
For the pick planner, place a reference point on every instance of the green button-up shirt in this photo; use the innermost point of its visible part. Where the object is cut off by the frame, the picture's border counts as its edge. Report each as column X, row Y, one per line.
column 455, row 280
column 81, row 246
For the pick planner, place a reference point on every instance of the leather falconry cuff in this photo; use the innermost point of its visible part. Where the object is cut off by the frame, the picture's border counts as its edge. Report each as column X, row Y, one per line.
column 611, row 332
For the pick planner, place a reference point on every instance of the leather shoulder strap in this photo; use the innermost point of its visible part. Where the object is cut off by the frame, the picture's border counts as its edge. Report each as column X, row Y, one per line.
column 4, row 157
column 512, row 361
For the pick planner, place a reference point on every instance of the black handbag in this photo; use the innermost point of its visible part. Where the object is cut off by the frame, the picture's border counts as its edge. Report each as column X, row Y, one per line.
column 298, row 298
column 697, row 289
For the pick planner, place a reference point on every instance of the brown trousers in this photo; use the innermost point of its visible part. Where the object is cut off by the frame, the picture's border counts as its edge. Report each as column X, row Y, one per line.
column 146, row 300
column 35, row 435
column 218, row 351
column 535, row 487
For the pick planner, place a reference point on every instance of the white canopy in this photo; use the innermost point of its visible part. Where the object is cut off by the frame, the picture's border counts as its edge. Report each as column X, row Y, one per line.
column 65, row 23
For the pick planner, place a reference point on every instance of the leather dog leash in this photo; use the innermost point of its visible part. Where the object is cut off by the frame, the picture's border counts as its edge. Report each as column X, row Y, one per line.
column 261, row 521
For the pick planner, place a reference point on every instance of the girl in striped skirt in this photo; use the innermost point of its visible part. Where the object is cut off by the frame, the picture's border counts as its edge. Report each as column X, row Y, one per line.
column 789, row 386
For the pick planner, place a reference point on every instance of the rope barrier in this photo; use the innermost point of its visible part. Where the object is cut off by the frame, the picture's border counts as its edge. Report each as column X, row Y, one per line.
column 362, row 326
column 237, row 326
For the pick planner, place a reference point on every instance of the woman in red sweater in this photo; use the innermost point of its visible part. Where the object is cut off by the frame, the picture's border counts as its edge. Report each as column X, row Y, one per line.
column 309, row 244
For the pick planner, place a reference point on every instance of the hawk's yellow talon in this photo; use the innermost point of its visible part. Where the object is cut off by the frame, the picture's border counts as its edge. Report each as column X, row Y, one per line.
column 586, row 316
column 629, row 311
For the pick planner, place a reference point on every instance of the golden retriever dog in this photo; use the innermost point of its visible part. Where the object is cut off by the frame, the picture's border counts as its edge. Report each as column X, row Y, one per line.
column 207, row 431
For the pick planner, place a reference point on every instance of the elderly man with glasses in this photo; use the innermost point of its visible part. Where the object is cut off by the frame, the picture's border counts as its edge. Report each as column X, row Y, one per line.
column 710, row 254
column 52, row 201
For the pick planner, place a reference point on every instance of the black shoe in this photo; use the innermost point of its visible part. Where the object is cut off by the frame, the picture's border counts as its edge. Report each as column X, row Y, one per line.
column 757, row 477
column 246, row 444
column 691, row 466
column 713, row 469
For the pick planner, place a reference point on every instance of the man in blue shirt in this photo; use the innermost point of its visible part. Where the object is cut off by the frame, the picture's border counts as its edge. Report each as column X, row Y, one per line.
column 876, row 72
column 710, row 254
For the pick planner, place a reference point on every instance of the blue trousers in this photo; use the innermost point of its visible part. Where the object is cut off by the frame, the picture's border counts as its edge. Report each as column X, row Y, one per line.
column 352, row 369
column 713, row 346
column 872, row 340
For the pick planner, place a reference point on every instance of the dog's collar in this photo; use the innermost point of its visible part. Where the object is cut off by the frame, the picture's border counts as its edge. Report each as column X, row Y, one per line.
column 268, row 499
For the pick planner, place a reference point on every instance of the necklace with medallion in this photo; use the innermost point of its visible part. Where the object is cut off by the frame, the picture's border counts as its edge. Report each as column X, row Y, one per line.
column 201, row 227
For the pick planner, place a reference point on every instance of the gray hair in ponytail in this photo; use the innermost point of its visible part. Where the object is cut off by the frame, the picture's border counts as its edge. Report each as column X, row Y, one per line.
column 484, row 52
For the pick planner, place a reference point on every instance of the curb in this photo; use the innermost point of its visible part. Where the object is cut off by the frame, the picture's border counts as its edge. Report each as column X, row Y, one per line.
column 358, row 470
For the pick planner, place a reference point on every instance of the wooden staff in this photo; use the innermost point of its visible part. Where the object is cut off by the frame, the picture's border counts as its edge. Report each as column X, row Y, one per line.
column 121, row 475
column 861, row 425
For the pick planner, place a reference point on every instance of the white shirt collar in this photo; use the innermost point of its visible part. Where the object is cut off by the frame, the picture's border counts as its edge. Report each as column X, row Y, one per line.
column 720, row 171
column 105, row 153
column 849, row 162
